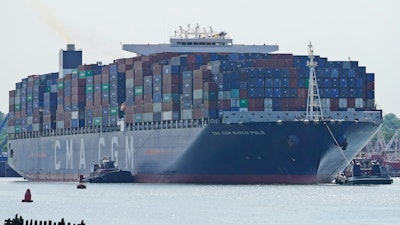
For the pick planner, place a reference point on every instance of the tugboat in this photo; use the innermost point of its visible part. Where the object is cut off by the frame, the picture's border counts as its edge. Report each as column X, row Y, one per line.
column 363, row 171
column 107, row 172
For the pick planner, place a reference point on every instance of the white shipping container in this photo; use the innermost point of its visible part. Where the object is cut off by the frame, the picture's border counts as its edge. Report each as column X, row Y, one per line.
column 342, row 102
column 371, row 103
column 235, row 102
column 35, row 127
column 197, row 93
column 268, row 102
column 129, row 83
column 29, row 120
column 167, row 115
column 60, row 124
column 267, row 109
column 74, row 115
column 326, row 103
column 243, row 109
column 187, row 114
column 359, row 103
column 170, row 115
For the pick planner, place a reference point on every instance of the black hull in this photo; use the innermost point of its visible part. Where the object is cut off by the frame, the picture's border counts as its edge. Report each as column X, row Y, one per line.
column 252, row 153
column 118, row 176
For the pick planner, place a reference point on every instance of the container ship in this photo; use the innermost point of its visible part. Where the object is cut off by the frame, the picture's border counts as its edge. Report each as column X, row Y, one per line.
column 200, row 109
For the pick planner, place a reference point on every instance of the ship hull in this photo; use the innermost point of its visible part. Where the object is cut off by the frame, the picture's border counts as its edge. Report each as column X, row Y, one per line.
column 292, row 152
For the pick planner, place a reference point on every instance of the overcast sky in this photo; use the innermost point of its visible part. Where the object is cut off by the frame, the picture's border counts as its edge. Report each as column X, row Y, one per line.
column 368, row 31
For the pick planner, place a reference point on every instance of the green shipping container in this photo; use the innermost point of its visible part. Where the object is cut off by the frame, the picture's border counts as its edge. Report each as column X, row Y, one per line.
column 17, row 107
column 235, row 93
column 138, row 117
column 114, row 111
column 74, row 71
column 17, row 129
column 89, row 73
column 60, row 85
column 105, row 87
column 243, row 103
column 47, row 89
column 89, row 88
column 82, row 74
column 97, row 121
column 29, row 98
column 139, row 90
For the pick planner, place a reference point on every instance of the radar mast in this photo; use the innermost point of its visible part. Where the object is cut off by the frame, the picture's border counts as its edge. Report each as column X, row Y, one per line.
column 314, row 107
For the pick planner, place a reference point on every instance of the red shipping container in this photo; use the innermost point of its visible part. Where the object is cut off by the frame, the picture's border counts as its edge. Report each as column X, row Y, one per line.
column 292, row 72
column 148, row 107
column 302, row 92
column 243, row 94
column 293, row 82
column 170, row 106
column 197, row 114
column 129, row 74
column 224, row 104
column 210, row 104
column 138, row 108
column 334, row 104
column 250, row 109
column 255, row 103
column 11, row 94
column 351, row 103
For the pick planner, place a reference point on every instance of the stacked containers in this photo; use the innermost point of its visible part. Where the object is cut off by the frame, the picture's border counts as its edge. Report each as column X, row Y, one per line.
column 129, row 97
column 157, row 95
column 60, row 104
column 210, row 100
column 50, row 102
column 67, row 100
column 97, row 100
column 11, row 109
column 105, row 93
column 169, row 87
column 78, row 98
column 200, row 76
column 170, row 90
column 141, row 68
column 187, row 96
column 147, row 98
column 89, row 94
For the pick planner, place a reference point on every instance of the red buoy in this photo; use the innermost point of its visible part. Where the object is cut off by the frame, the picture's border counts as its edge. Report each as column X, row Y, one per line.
column 28, row 196
column 81, row 185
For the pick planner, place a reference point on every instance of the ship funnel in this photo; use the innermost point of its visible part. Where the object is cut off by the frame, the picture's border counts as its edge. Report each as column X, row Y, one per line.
column 69, row 60
column 70, row 47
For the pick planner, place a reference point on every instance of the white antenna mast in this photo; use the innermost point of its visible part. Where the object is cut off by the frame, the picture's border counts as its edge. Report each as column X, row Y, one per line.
column 314, row 108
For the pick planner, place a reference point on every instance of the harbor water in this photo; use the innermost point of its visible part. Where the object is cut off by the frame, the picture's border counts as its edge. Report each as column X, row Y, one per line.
column 201, row 204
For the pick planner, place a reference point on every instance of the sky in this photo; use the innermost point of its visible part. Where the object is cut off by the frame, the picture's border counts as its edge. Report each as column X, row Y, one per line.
column 368, row 31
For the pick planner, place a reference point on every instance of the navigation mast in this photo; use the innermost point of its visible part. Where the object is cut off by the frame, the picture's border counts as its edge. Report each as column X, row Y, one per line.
column 314, row 107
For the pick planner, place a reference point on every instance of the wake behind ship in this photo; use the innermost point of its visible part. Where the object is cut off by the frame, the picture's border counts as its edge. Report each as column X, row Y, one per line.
column 198, row 110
